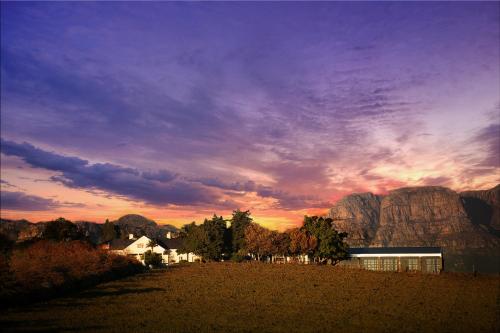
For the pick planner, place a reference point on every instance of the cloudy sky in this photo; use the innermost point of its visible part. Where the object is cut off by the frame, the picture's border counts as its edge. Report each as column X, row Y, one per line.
column 180, row 110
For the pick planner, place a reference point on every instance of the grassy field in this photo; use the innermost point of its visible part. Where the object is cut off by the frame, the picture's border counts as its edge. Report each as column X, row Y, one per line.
column 251, row 297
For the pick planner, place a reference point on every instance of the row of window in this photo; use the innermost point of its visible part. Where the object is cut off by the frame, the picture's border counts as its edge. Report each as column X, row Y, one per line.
column 431, row 265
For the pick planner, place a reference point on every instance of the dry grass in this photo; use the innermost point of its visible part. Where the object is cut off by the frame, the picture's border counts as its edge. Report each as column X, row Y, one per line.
column 250, row 297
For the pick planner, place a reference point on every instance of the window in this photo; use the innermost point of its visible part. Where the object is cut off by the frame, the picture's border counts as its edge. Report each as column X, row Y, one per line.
column 140, row 245
column 412, row 264
column 370, row 264
column 431, row 265
column 389, row 264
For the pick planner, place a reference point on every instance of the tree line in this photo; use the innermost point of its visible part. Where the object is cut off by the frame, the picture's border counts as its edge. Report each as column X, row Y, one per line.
column 240, row 238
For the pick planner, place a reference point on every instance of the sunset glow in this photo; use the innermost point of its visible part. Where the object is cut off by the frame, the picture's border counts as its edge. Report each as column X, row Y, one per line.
column 177, row 111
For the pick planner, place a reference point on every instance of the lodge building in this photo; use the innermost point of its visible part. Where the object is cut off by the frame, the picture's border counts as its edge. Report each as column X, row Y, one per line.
column 396, row 259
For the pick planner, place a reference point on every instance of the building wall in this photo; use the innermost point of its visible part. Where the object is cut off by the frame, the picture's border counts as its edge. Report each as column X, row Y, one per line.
column 189, row 257
column 140, row 246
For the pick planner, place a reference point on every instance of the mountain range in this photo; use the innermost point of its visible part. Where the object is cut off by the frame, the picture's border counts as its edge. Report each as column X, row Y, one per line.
column 22, row 230
column 422, row 216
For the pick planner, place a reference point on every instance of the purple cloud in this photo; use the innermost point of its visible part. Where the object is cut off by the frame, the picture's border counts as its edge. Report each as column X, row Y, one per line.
column 10, row 200
column 155, row 188
column 158, row 188
column 489, row 138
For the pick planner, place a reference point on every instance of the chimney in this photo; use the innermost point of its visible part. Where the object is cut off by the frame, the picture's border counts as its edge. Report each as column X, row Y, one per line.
column 130, row 236
column 169, row 235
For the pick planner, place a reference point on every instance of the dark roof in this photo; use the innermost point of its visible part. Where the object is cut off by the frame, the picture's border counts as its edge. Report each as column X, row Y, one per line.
column 171, row 243
column 389, row 250
column 120, row 244
column 167, row 243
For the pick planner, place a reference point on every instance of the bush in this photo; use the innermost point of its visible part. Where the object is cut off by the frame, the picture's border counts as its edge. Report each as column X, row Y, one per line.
column 238, row 257
column 47, row 268
column 152, row 259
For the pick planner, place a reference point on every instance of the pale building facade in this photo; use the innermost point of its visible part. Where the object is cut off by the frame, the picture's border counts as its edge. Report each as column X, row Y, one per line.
column 167, row 248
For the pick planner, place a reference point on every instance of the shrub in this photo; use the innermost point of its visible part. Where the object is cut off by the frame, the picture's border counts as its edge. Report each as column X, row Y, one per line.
column 152, row 259
column 47, row 267
column 239, row 257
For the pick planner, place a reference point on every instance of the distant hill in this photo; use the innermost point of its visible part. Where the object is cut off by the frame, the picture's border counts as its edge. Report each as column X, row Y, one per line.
column 140, row 226
column 12, row 228
column 23, row 230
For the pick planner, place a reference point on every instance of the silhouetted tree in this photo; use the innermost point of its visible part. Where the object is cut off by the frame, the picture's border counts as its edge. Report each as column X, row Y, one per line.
column 6, row 245
column 214, row 230
column 109, row 231
column 239, row 221
column 61, row 230
column 152, row 244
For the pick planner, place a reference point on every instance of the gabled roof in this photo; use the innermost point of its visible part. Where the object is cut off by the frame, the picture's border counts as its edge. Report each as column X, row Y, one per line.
column 395, row 250
column 171, row 243
column 120, row 244
column 166, row 243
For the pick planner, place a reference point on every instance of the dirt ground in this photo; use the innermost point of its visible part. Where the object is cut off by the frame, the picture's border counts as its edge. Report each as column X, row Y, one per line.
column 253, row 297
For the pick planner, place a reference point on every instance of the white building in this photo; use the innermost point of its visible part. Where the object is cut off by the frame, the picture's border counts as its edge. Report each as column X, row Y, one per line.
column 167, row 248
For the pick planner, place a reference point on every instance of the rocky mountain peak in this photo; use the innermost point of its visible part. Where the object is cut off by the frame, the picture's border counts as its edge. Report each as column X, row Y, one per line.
column 419, row 216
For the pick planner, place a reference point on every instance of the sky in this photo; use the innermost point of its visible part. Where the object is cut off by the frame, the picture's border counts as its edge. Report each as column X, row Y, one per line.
column 177, row 111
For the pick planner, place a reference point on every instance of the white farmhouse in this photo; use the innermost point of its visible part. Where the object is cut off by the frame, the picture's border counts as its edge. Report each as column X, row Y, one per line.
column 136, row 247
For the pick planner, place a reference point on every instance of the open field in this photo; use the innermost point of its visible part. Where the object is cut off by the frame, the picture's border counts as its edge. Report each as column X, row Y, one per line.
column 251, row 297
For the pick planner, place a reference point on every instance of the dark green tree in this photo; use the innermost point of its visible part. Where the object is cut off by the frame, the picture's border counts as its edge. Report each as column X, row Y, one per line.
column 330, row 243
column 193, row 239
column 206, row 240
column 109, row 231
column 214, row 230
column 239, row 221
column 61, row 230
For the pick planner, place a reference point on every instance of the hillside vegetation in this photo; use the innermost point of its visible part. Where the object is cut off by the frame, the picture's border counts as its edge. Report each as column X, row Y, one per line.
column 257, row 297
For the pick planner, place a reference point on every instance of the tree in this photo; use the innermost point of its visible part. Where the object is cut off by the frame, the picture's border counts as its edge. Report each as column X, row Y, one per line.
column 239, row 221
column 6, row 245
column 152, row 244
column 302, row 243
column 193, row 239
column 61, row 230
column 279, row 244
column 214, row 230
column 206, row 240
column 108, row 231
column 257, row 240
column 152, row 259
column 331, row 246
